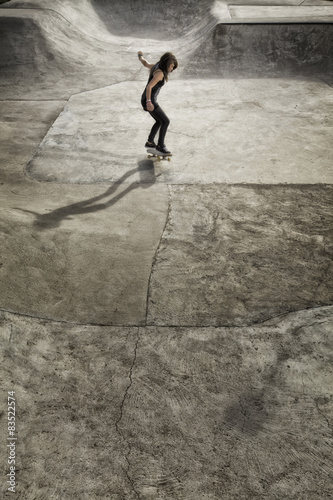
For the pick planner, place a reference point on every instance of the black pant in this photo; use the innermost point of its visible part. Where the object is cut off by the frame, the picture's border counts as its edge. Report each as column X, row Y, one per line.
column 161, row 124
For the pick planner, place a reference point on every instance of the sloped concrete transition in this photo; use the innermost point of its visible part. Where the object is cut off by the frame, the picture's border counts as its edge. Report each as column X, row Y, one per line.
column 167, row 327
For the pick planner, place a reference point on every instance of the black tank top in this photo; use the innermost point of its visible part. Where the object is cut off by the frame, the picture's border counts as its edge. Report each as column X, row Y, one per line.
column 154, row 91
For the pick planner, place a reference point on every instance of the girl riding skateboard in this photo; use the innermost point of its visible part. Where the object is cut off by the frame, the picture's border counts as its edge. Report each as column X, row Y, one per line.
column 158, row 75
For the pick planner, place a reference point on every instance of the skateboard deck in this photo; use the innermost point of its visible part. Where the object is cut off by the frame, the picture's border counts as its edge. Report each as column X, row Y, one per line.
column 153, row 153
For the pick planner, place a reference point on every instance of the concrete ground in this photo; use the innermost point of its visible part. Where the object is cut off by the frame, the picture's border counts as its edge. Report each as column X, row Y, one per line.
column 167, row 326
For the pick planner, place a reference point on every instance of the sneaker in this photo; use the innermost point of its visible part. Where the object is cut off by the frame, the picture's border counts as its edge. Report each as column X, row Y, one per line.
column 150, row 145
column 163, row 150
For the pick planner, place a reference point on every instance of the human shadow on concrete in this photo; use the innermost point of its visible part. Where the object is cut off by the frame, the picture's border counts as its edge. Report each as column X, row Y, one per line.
column 54, row 218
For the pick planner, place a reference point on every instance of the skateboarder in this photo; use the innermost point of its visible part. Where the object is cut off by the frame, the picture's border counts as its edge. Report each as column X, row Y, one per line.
column 158, row 75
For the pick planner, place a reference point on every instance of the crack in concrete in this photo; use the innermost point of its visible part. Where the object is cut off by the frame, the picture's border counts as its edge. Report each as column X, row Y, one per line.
column 130, row 480
column 156, row 252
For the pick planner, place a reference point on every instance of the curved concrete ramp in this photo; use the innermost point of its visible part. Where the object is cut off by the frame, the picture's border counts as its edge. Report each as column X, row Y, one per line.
column 70, row 47
column 46, row 56
column 145, row 19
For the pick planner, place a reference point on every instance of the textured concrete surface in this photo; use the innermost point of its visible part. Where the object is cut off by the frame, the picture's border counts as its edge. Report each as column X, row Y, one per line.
column 93, row 140
column 173, row 413
column 83, row 248
column 266, row 50
column 167, row 327
column 227, row 243
column 277, row 13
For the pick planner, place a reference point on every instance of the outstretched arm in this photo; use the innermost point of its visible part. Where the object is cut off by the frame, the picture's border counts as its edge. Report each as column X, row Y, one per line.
column 144, row 61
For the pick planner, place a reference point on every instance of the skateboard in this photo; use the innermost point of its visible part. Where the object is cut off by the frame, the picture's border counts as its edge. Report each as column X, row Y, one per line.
column 153, row 153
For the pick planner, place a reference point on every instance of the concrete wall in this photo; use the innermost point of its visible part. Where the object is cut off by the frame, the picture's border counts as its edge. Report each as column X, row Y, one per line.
column 259, row 50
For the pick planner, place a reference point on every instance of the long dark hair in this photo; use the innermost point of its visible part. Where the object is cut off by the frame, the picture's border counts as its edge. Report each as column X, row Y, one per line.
column 163, row 64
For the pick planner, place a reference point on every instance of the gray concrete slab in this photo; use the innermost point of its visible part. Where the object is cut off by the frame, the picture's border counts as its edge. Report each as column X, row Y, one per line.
column 169, row 413
column 71, row 235
column 87, row 253
column 222, row 246
column 77, row 450
column 37, row 212
column 98, row 137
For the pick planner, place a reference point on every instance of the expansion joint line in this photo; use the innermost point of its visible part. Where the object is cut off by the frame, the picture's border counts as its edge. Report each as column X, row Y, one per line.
column 122, row 411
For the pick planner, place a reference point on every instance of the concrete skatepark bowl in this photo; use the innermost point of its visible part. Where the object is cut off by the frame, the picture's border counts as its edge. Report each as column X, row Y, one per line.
column 167, row 327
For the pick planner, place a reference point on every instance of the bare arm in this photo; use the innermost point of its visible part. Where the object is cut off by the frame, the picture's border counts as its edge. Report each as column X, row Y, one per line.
column 144, row 61
column 158, row 76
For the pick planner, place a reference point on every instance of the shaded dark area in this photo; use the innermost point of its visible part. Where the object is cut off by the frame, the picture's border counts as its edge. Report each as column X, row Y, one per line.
column 19, row 39
column 27, row 54
column 153, row 18
column 265, row 50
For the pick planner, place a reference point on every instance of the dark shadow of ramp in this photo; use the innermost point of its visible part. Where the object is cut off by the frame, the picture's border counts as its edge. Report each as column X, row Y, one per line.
column 24, row 49
column 152, row 18
column 259, row 50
